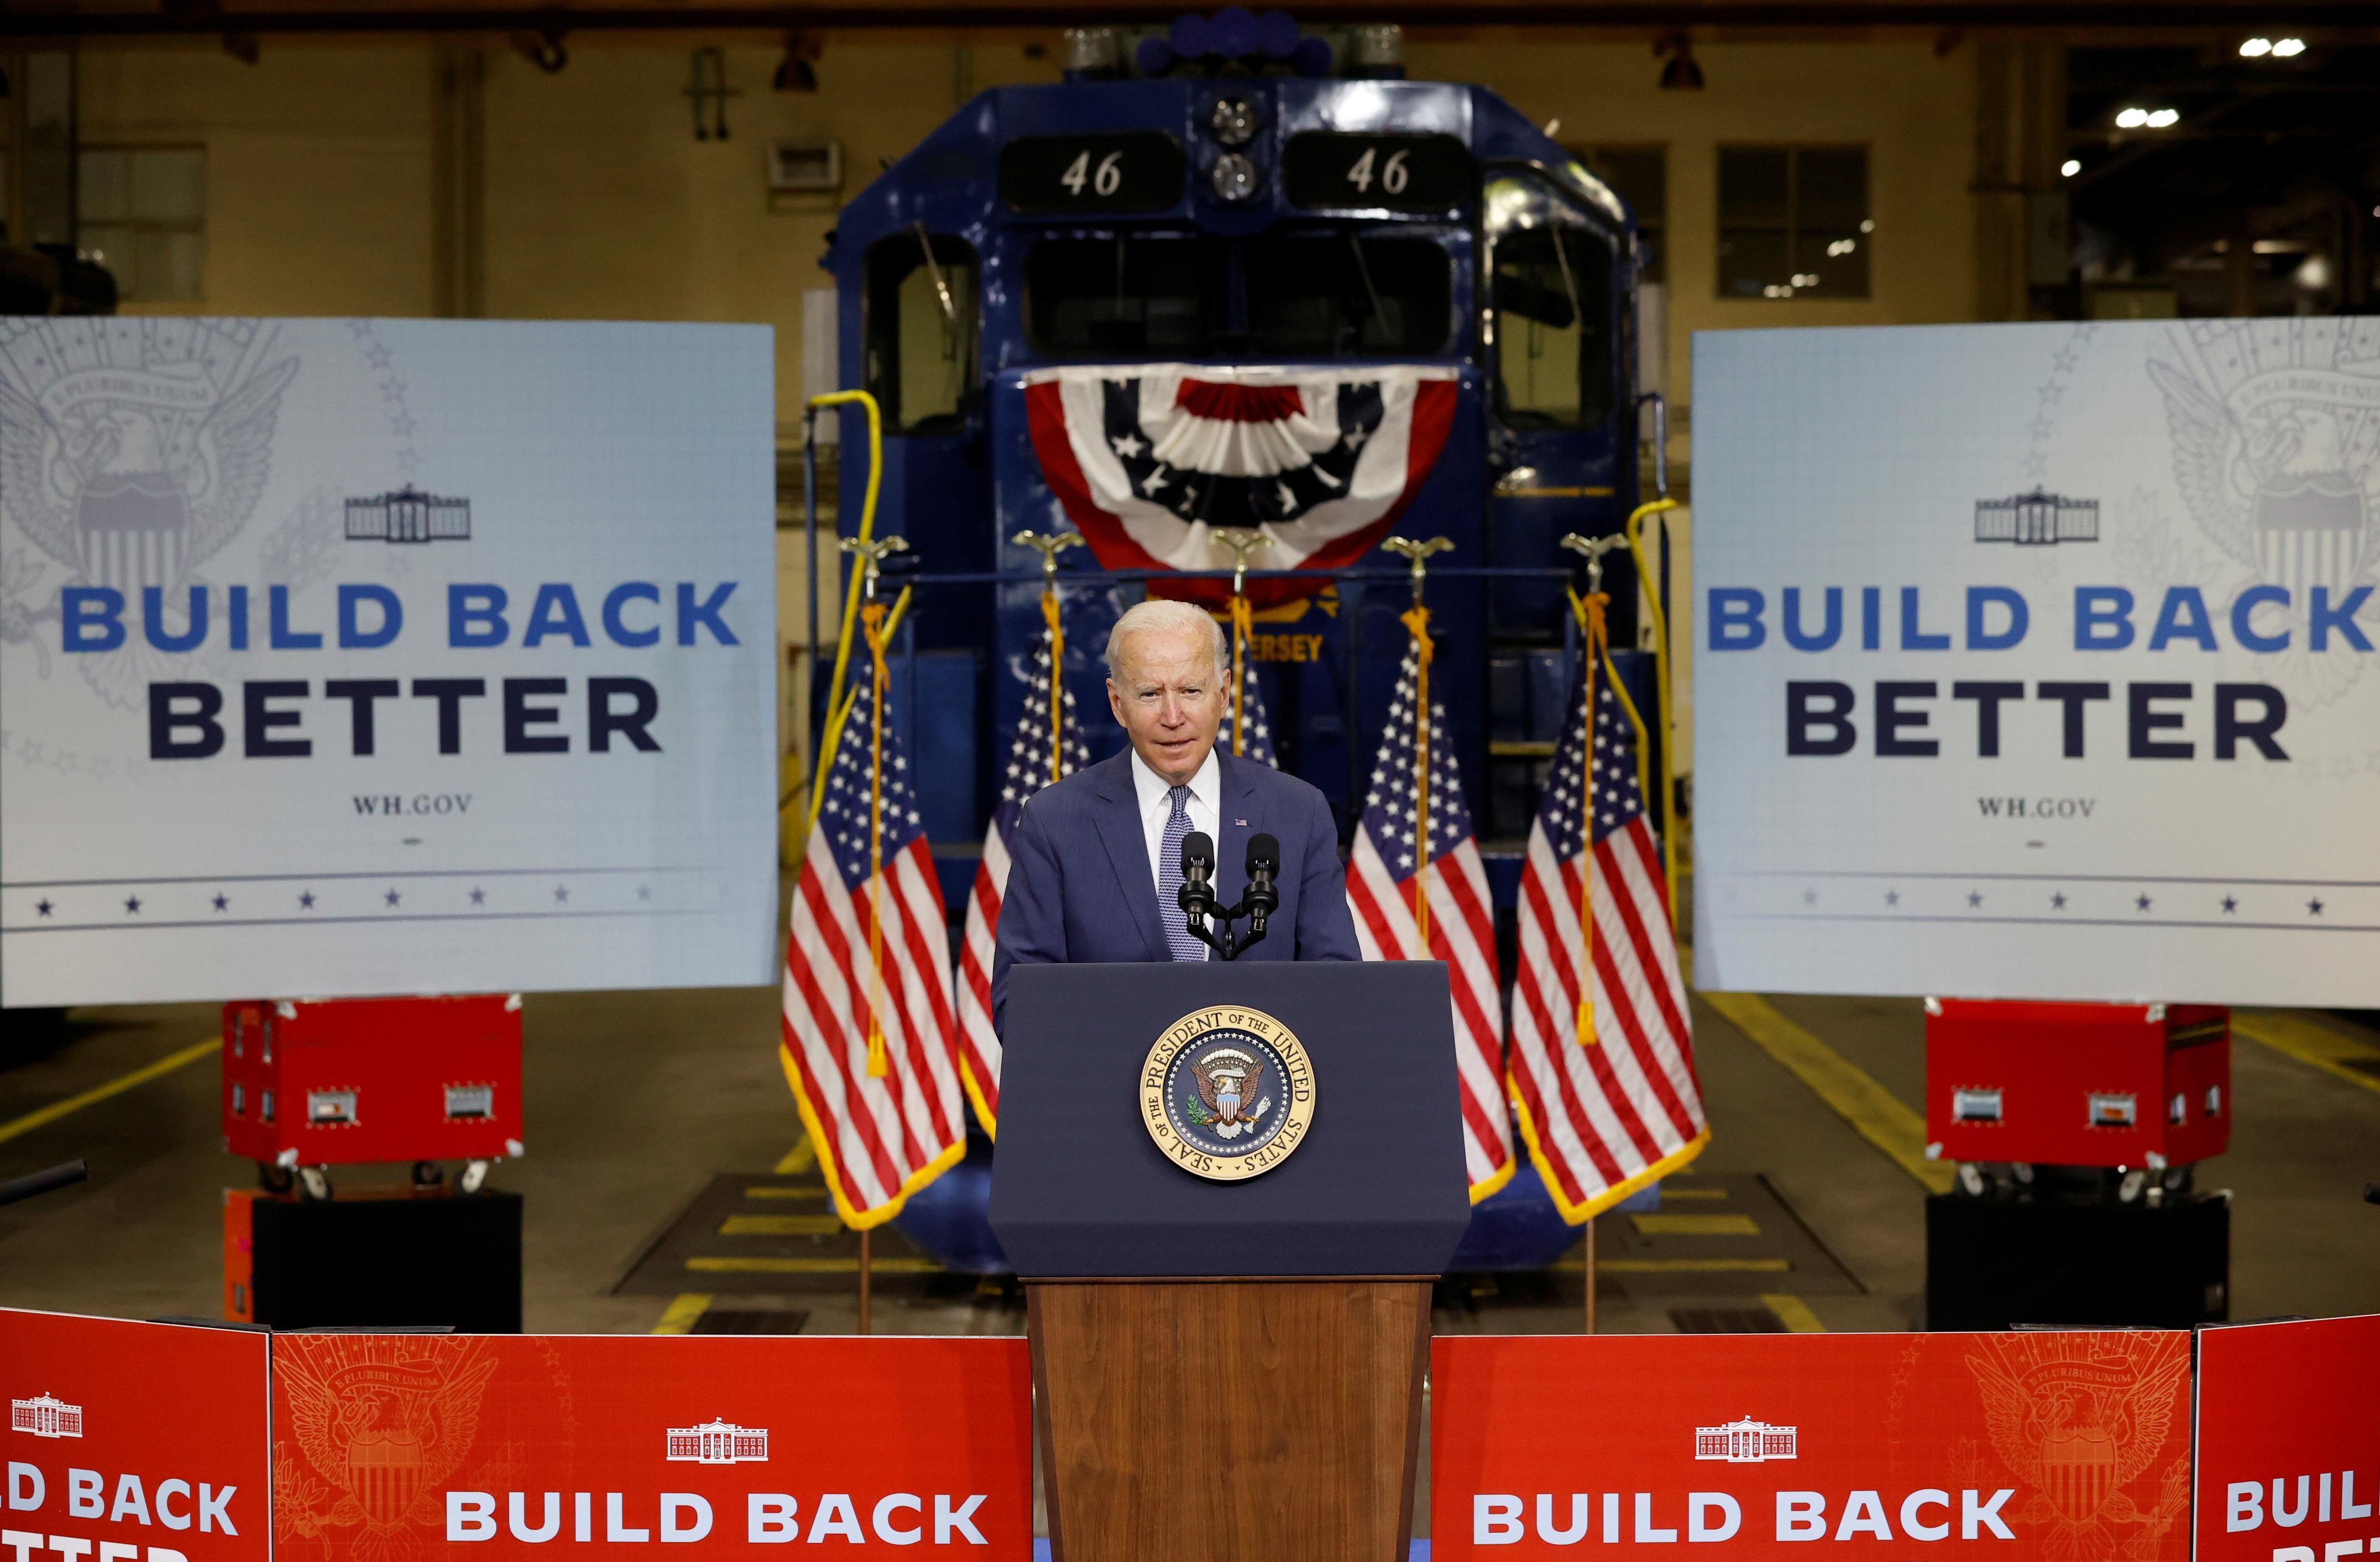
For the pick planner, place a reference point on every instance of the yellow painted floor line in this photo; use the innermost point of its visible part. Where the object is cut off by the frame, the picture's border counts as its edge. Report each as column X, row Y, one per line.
column 810, row 1266
column 1694, row 1225
column 781, row 1226
column 767, row 1191
column 802, row 1158
column 1879, row 1116
column 116, row 1086
column 1683, row 1266
column 1669, row 1192
column 1794, row 1314
column 683, row 1315
column 2309, row 1041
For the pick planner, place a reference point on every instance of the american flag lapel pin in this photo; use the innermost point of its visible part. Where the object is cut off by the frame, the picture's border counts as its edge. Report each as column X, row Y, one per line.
column 1242, row 823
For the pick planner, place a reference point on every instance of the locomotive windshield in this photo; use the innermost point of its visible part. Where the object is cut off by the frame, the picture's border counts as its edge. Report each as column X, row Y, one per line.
column 1326, row 295
column 1550, row 288
column 1134, row 293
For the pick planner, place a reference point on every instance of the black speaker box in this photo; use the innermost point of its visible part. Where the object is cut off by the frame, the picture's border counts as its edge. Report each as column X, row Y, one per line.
column 404, row 1260
column 1998, row 1263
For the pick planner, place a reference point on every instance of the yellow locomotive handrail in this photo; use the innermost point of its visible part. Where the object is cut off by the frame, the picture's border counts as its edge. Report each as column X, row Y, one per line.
column 1648, row 585
column 837, row 708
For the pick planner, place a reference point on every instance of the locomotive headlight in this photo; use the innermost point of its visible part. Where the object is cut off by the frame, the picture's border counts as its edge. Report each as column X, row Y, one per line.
column 1234, row 122
column 1235, row 177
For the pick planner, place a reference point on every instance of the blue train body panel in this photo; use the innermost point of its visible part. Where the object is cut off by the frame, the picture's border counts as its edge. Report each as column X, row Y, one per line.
column 977, row 262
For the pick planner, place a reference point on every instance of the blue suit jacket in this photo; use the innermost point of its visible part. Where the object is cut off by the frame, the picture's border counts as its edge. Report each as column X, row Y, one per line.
column 1079, row 886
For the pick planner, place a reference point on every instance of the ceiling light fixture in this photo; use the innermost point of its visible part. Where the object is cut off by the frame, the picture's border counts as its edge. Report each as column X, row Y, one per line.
column 2255, row 48
column 1683, row 73
column 2164, row 118
column 2132, row 118
column 2287, row 48
column 2070, row 167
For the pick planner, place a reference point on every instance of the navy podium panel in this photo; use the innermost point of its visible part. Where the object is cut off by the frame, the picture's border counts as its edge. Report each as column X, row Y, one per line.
column 1377, row 1188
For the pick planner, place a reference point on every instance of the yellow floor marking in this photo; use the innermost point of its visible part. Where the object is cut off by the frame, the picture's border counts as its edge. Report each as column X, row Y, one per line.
column 1694, row 1225
column 2310, row 1042
column 1683, row 1266
column 781, row 1226
column 1669, row 1192
column 1794, row 1314
column 116, row 1086
column 1879, row 1116
column 810, row 1266
column 683, row 1315
column 762, row 1191
column 802, row 1158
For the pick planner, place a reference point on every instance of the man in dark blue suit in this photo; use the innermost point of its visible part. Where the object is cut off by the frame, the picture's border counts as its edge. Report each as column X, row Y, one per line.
column 1095, row 860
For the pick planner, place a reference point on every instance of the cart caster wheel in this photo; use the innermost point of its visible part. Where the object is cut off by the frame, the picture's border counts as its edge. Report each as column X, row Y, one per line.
column 1972, row 1180
column 313, row 1182
column 428, row 1174
column 275, row 1179
column 475, row 1175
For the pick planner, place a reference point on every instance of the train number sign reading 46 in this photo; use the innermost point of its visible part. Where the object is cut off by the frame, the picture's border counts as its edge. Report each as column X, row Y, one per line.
column 1333, row 171
column 1129, row 171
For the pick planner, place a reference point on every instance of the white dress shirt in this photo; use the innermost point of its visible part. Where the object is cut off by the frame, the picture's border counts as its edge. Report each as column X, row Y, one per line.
column 1157, row 806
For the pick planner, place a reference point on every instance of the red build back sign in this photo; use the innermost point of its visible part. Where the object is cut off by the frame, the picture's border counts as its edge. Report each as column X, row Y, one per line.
column 2009, row 1446
column 488, row 1447
column 2288, row 1463
column 132, row 1442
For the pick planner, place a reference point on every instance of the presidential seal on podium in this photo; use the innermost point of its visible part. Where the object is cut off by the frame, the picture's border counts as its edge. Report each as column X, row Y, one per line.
column 1227, row 1093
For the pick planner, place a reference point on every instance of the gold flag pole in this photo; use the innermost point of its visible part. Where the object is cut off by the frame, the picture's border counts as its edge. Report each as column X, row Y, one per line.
column 1594, row 652
column 1589, row 610
column 872, row 618
column 1241, row 541
column 1049, row 545
column 1417, row 619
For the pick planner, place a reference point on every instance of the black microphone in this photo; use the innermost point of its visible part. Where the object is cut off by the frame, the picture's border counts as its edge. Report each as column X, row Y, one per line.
column 1197, row 896
column 1262, row 899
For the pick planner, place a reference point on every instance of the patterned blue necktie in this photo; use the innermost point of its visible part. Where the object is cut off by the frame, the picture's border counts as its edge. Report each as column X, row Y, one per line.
column 1168, row 876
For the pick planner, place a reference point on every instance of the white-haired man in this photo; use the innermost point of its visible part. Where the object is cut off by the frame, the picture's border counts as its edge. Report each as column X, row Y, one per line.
column 1096, row 858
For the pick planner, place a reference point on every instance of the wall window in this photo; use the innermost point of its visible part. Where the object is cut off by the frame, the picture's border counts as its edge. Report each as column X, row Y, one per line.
column 921, row 329
column 1793, row 223
column 1549, row 284
column 143, row 211
column 1639, row 176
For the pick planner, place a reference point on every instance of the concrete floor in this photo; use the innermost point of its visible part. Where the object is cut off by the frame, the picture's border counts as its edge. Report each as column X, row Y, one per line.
column 634, row 1099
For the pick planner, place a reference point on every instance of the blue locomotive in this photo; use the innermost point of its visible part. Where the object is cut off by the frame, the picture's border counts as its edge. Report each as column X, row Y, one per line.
column 1235, row 276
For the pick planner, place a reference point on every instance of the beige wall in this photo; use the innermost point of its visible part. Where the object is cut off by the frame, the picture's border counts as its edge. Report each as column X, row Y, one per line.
column 1915, row 110
column 600, row 202
column 318, row 169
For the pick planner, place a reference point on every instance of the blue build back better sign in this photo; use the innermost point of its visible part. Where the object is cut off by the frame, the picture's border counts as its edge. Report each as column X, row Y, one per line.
column 2038, row 660
column 354, row 656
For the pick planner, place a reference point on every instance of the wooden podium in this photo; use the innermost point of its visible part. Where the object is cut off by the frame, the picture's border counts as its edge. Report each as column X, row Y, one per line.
column 1228, row 1370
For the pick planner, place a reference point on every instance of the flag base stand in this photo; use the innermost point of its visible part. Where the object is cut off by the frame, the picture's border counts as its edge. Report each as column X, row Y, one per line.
column 1216, row 1420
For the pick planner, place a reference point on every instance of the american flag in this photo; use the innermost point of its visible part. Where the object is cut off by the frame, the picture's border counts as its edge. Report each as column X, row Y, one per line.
column 1461, row 921
column 1028, row 773
column 1601, row 1121
column 879, row 1139
column 1260, row 741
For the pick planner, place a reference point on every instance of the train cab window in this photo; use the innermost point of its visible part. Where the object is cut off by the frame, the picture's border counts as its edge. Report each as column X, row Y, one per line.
column 1550, row 288
column 921, row 329
column 1129, row 294
column 1342, row 294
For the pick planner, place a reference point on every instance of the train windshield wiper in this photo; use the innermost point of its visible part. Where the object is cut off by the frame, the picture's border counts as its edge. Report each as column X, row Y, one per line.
column 1365, row 271
column 941, row 288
